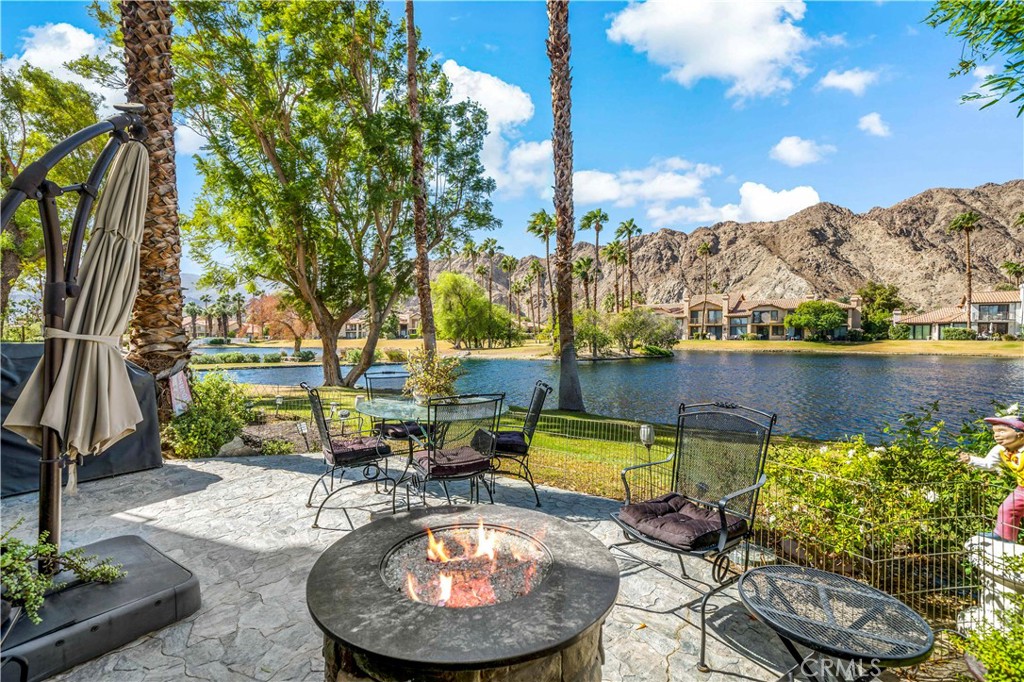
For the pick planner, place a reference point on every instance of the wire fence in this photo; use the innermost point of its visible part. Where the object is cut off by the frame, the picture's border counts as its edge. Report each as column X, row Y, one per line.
column 906, row 539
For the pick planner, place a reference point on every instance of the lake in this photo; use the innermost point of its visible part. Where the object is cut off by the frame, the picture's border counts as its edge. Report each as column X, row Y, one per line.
column 819, row 396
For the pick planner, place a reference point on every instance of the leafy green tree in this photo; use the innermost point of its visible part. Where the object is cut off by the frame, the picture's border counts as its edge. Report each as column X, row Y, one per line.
column 390, row 328
column 627, row 327
column 38, row 110
column 591, row 332
column 817, row 317
column 460, row 310
column 879, row 301
column 989, row 29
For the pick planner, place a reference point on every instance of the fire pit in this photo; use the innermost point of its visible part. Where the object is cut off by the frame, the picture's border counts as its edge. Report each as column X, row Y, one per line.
column 487, row 593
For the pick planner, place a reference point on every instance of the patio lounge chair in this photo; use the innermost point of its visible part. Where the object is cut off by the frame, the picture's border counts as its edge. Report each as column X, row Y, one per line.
column 512, row 448
column 355, row 450
column 454, row 451
column 717, row 470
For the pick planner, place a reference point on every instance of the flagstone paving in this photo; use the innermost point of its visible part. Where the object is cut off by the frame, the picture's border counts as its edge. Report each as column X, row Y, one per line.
column 242, row 526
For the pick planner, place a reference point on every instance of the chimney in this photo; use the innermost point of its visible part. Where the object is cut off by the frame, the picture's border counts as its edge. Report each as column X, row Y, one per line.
column 725, row 306
column 856, row 301
column 896, row 315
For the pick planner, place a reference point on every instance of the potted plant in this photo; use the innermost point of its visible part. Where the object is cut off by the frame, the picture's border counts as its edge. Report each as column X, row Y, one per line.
column 430, row 375
column 25, row 588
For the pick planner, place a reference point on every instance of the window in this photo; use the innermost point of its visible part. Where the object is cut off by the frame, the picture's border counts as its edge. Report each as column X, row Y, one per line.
column 760, row 316
column 694, row 317
column 778, row 330
column 775, row 316
column 993, row 311
column 921, row 332
column 715, row 316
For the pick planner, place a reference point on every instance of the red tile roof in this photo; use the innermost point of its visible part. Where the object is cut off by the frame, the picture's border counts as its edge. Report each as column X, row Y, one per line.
column 986, row 297
column 940, row 316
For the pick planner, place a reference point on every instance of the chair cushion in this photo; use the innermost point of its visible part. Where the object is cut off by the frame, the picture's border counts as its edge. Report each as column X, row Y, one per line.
column 403, row 431
column 452, row 463
column 356, row 448
column 512, row 442
column 676, row 521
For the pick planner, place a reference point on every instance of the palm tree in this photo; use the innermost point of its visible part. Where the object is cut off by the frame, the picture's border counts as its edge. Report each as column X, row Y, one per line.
column 508, row 265
column 595, row 219
column 419, row 188
column 570, row 393
column 446, row 249
column 207, row 301
column 614, row 253
column 581, row 269
column 158, row 341
column 542, row 226
column 1014, row 271
column 489, row 249
column 965, row 224
column 470, row 250
column 238, row 306
column 515, row 291
column 627, row 230
column 704, row 251
column 481, row 272
column 531, row 277
column 193, row 310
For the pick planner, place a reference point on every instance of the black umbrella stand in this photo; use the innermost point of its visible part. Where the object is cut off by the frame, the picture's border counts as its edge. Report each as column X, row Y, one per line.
column 87, row 620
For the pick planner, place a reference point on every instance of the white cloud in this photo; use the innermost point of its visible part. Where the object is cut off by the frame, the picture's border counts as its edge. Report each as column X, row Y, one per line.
column 872, row 124
column 664, row 180
column 187, row 140
column 755, row 46
column 514, row 168
column 796, row 151
column 50, row 46
column 980, row 73
column 757, row 203
column 852, row 80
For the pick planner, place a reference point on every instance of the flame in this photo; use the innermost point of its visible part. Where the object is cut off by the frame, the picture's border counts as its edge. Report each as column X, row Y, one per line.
column 411, row 587
column 485, row 542
column 435, row 549
column 444, row 589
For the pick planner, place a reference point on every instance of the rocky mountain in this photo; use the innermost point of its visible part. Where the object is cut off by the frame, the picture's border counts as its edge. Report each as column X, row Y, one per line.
column 825, row 250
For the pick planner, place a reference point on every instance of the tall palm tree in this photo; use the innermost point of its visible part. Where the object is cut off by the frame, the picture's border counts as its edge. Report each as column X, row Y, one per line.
column 704, row 251
column 238, row 307
column 489, row 249
column 542, row 226
column 470, row 250
column 508, row 265
column 614, row 253
column 193, row 310
column 595, row 219
column 1014, row 271
column 481, row 272
column 158, row 341
column 515, row 291
column 582, row 269
column 965, row 224
column 533, row 276
column 570, row 393
column 627, row 230
column 206, row 300
column 446, row 249
column 419, row 187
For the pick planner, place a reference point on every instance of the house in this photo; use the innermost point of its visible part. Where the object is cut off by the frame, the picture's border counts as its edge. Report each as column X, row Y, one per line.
column 993, row 313
column 731, row 316
column 357, row 328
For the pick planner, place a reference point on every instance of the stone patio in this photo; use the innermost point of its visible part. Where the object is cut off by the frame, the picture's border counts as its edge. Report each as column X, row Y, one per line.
column 242, row 526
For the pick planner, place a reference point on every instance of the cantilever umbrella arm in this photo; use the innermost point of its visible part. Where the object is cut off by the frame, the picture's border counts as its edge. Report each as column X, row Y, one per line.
column 62, row 269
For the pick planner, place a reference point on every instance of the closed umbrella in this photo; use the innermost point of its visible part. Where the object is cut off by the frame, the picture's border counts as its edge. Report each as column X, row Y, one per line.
column 92, row 405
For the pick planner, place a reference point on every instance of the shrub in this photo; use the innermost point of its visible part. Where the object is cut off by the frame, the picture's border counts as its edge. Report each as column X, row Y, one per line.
column 999, row 649
column 252, row 357
column 430, row 374
column 395, row 355
column 657, row 352
column 352, row 355
column 959, row 334
column 272, row 357
column 277, row 446
column 899, row 332
column 216, row 415
column 305, row 356
column 218, row 341
column 750, row 337
column 1008, row 337
column 855, row 335
column 205, row 359
column 232, row 358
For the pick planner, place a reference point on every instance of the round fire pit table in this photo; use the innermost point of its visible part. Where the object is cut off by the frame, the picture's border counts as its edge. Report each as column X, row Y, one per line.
column 835, row 616
column 374, row 630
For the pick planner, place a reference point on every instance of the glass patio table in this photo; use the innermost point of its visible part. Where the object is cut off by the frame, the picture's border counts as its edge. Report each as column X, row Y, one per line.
column 397, row 409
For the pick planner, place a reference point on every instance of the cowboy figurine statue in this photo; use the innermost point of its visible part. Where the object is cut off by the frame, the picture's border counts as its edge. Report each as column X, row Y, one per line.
column 1008, row 430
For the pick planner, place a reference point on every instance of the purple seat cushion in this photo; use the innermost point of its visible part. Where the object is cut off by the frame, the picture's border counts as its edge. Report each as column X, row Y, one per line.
column 676, row 521
column 356, row 448
column 513, row 442
column 403, row 431
column 453, row 462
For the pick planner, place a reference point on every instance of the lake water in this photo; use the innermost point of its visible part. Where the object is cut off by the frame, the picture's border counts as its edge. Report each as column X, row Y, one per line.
column 242, row 348
column 819, row 396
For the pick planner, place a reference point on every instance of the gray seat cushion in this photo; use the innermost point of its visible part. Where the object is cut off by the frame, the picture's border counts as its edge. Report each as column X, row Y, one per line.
column 356, row 449
column 676, row 521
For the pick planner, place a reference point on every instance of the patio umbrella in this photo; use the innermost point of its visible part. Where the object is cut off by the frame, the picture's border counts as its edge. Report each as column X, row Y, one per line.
column 92, row 405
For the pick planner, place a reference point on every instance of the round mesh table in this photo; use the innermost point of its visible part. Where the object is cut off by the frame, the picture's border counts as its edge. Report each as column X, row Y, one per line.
column 835, row 616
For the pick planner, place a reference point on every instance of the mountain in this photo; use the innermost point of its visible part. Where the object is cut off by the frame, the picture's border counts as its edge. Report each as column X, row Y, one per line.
column 825, row 250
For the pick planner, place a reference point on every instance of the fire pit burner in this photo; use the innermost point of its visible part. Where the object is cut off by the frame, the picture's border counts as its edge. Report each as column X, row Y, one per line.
column 547, row 628
column 463, row 567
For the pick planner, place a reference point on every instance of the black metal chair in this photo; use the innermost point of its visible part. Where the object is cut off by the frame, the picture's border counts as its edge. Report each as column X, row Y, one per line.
column 512, row 448
column 717, row 470
column 356, row 450
column 391, row 384
column 454, row 449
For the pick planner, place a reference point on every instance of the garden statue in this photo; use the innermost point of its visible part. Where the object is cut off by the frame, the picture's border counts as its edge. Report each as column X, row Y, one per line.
column 996, row 554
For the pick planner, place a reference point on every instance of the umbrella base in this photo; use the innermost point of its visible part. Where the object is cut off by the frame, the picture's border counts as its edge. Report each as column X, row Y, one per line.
column 89, row 620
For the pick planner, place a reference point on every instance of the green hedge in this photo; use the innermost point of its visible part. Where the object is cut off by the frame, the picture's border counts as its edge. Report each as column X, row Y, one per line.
column 959, row 334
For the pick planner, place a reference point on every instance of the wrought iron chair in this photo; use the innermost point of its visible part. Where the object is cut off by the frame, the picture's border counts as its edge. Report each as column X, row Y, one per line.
column 391, row 384
column 512, row 448
column 355, row 450
column 717, row 470
column 454, row 449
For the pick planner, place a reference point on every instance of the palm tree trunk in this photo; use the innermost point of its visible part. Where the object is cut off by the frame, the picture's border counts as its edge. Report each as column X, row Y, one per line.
column 967, row 237
column 419, row 204
column 490, row 302
column 597, row 261
column 158, row 341
column 629, row 255
column 570, row 393
column 551, row 280
column 704, row 314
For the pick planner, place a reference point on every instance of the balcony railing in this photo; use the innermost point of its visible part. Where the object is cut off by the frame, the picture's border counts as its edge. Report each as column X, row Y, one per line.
column 997, row 317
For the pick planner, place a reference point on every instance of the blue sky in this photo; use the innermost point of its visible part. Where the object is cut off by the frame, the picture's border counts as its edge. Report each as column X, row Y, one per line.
column 684, row 114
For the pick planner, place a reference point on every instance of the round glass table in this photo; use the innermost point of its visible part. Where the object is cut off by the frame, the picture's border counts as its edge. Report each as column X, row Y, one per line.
column 835, row 616
column 397, row 409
